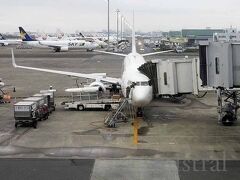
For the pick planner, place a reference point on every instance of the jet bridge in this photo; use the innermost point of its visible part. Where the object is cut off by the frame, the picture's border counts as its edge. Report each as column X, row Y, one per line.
column 172, row 77
column 220, row 69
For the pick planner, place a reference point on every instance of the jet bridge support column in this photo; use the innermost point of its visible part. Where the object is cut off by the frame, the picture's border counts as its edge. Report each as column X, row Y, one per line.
column 235, row 103
column 219, row 100
column 227, row 109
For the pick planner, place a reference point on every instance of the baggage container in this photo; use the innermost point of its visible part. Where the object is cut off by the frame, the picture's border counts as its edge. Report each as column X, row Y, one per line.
column 41, row 107
column 47, row 104
column 50, row 93
column 25, row 112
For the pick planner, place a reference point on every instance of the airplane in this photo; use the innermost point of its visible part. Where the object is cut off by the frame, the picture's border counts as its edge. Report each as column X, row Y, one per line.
column 2, row 84
column 80, row 36
column 43, row 36
column 6, row 42
column 60, row 45
column 103, row 38
column 101, row 43
column 135, row 85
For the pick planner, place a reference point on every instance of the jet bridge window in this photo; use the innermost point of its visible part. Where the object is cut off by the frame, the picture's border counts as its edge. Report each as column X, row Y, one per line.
column 165, row 78
column 217, row 67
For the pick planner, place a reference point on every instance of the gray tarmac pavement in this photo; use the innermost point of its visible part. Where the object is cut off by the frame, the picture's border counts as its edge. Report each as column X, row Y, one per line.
column 90, row 169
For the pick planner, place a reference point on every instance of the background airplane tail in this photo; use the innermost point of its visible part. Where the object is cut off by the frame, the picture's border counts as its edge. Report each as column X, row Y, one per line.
column 24, row 35
column 1, row 37
column 81, row 35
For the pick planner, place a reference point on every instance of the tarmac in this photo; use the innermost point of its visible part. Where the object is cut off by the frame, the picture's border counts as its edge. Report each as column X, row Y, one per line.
column 172, row 135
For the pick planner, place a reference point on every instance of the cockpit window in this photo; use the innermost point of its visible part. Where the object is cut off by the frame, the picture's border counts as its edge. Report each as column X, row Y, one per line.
column 138, row 83
column 143, row 83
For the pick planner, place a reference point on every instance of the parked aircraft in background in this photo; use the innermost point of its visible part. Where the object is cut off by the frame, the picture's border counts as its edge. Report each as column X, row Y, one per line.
column 134, row 84
column 98, row 40
column 57, row 45
column 6, row 42
column 104, row 38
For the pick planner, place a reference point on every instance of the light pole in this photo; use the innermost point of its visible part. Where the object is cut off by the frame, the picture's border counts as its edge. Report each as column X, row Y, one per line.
column 121, row 26
column 117, row 24
column 108, row 23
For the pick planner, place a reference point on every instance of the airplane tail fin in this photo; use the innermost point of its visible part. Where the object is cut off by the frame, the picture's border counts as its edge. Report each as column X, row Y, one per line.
column 1, row 37
column 80, row 34
column 24, row 35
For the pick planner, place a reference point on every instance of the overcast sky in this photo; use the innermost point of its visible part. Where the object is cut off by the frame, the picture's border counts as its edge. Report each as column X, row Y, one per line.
column 91, row 15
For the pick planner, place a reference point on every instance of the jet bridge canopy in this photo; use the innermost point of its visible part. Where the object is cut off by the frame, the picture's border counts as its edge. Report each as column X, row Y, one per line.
column 172, row 77
column 220, row 64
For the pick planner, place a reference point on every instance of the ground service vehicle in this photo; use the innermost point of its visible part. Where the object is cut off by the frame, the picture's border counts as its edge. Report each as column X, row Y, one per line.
column 84, row 101
column 25, row 112
column 50, row 93
column 46, row 102
column 41, row 107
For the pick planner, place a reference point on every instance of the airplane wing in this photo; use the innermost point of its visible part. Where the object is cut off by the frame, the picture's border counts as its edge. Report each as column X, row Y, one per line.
column 154, row 53
column 124, row 55
column 111, row 53
column 95, row 76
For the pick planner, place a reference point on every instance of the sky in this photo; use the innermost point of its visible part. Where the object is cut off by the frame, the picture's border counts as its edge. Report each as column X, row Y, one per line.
column 91, row 15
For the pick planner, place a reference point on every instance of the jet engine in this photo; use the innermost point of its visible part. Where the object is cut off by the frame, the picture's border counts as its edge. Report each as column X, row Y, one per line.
column 62, row 49
column 98, row 84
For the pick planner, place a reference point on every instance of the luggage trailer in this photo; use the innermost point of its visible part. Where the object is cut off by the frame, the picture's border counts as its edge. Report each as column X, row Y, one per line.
column 25, row 112
column 84, row 101
column 47, row 101
column 51, row 94
column 42, row 110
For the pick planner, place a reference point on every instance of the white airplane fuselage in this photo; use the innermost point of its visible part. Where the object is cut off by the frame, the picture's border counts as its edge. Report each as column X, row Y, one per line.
column 100, row 43
column 70, row 44
column 141, row 93
column 6, row 42
column 97, row 40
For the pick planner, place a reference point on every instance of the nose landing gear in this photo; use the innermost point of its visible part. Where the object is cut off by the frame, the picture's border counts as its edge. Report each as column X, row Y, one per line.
column 139, row 112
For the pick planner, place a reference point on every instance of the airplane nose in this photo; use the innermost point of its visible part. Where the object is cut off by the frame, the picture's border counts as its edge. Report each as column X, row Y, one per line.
column 95, row 45
column 1, row 84
column 142, row 96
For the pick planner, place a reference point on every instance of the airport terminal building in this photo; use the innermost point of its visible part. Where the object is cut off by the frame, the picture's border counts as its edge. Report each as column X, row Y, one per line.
column 195, row 35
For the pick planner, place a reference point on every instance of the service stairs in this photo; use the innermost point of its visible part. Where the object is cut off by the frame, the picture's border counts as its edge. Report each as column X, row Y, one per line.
column 118, row 115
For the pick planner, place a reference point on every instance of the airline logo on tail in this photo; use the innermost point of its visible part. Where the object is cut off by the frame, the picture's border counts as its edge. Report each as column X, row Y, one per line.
column 81, row 35
column 24, row 35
